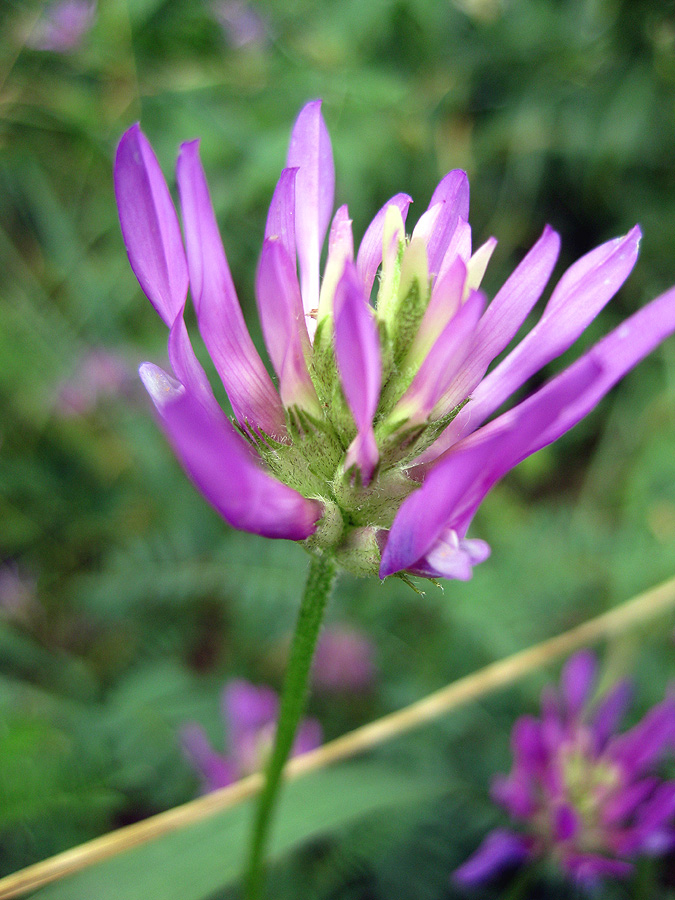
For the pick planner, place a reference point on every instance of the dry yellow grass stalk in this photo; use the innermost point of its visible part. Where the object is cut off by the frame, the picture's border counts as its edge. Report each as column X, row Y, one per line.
column 636, row 611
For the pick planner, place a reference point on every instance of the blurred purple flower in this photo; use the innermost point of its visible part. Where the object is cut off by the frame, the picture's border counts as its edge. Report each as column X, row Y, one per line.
column 98, row 375
column 589, row 798
column 372, row 446
column 242, row 25
column 63, row 25
column 17, row 594
column 343, row 660
column 250, row 716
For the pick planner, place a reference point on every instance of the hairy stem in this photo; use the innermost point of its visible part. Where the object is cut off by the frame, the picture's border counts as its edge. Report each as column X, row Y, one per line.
column 320, row 580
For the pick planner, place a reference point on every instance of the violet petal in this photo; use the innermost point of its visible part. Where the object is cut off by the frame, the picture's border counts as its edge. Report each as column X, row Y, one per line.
column 188, row 369
column 498, row 326
column 357, row 350
column 457, row 483
column 457, row 490
column 369, row 256
column 589, row 868
column 224, row 467
column 283, row 324
column 308, row 737
column 214, row 770
column 574, row 304
column 441, row 362
column 576, row 681
column 149, row 225
column 281, row 215
column 248, row 707
column 453, row 193
column 515, row 793
column 451, row 557
column 500, row 850
column 254, row 398
column 639, row 747
column 310, row 152
column 608, row 713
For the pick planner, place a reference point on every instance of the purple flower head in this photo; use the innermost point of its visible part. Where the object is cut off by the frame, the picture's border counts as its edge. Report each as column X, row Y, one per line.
column 587, row 797
column 250, row 717
column 63, row 26
column 377, row 440
column 344, row 660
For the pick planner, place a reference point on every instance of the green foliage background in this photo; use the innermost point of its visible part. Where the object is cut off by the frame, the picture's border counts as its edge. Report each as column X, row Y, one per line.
column 138, row 601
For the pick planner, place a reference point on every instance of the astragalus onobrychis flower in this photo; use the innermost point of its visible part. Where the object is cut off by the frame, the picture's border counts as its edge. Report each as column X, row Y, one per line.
column 372, row 446
column 249, row 713
column 587, row 797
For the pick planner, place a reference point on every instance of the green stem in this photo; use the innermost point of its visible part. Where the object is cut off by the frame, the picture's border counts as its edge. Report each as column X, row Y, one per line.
column 319, row 584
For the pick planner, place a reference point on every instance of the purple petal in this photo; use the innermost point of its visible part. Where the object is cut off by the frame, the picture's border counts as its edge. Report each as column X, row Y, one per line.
column 500, row 850
column 441, row 363
column 344, row 660
column 453, row 193
column 458, row 482
column 310, row 152
column 581, row 294
column 576, row 681
column 357, row 349
column 451, row 557
column 453, row 491
column 188, row 369
column 370, row 252
column 609, row 712
column 248, row 707
column 149, row 225
column 527, row 744
column 340, row 252
column 254, row 399
column 308, row 738
column 446, row 300
column 281, row 216
column 565, row 823
column 589, row 868
column 657, row 811
column 283, row 324
column 224, row 467
column 215, row 771
column 459, row 247
column 638, row 748
column 515, row 793
column 499, row 325
column 621, row 806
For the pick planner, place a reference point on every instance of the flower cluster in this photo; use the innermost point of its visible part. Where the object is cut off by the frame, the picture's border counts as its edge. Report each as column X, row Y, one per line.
column 250, row 717
column 588, row 797
column 373, row 444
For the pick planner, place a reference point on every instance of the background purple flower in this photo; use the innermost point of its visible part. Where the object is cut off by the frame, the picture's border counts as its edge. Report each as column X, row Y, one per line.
column 344, row 660
column 18, row 602
column 589, row 798
column 249, row 715
column 241, row 23
column 63, row 25
column 99, row 374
